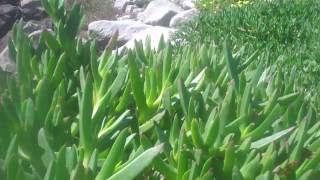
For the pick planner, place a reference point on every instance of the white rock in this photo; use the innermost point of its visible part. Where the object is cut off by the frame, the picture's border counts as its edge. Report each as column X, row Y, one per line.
column 159, row 13
column 154, row 33
column 104, row 29
column 125, row 17
column 187, row 4
column 26, row 2
column 119, row 4
column 183, row 17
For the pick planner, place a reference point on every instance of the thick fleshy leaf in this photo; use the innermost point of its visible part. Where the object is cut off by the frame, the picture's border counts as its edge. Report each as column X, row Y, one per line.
column 113, row 157
column 136, row 166
column 270, row 139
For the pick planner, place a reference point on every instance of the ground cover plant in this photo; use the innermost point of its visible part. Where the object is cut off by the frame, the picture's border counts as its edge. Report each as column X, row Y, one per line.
column 288, row 31
column 213, row 5
column 204, row 113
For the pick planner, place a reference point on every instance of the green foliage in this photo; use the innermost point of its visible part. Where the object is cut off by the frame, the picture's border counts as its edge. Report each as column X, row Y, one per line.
column 213, row 5
column 287, row 31
column 70, row 113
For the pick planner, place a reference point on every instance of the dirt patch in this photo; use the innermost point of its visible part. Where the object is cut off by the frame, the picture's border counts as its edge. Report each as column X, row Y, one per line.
column 96, row 9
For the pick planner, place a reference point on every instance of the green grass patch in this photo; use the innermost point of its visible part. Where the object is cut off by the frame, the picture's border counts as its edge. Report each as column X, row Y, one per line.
column 287, row 32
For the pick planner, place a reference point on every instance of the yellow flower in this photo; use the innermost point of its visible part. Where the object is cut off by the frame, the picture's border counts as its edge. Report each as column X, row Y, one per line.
column 241, row 3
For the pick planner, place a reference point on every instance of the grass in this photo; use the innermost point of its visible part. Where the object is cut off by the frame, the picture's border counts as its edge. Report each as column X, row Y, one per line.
column 288, row 32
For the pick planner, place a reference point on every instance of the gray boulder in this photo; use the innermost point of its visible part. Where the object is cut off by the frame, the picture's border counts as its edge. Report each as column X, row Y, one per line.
column 4, row 41
column 32, row 10
column 6, row 63
column 132, row 11
column 125, row 17
column 121, row 5
column 12, row 2
column 33, row 30
column 185, row 4
column 183, row 17
column 154, row 33
column 8, row 15
column 159, row 13
column 104, row 29
column 34, row 25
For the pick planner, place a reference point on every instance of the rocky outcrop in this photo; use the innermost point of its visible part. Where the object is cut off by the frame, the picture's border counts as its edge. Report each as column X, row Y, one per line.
column 11, row 10
column 133, row 10
column 183, row 17
column 155, row 20
column 119, row 4
column 122, row 5
column 159, row 13
column 4, row 41
column 137, row 20
column 11, row 2
column 6, row 64
column 8, row 15
column 154, row 33
column 185, row 4
column 33, row 30
column 32, row 10
column 104, row 29
column 34, row 25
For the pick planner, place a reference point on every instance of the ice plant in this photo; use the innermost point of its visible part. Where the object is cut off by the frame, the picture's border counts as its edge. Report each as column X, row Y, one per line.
column 71, row 113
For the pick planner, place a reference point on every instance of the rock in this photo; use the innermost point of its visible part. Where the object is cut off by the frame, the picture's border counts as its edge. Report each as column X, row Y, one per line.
column 4, row 41
column 129, row 9
column 34, row 25
column 30, row 26
column 137, row 10
column 125, row 17
column 33, row 29
column 183, row 17
column 35, row 37
column 32, row 10
column 27, row 2
column 104, row 29
column 154, row 33
column 187, row 4
column 8, row 15
column 159, row 13
column 132, row 11
column 121, row 5
column 6, row 63
column 12, row 2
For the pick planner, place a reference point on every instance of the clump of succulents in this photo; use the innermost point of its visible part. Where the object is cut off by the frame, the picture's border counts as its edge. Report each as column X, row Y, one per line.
column 70, row 113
